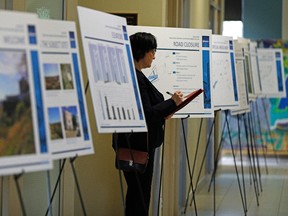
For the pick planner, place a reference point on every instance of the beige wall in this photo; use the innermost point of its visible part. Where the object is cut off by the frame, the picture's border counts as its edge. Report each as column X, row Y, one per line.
column 199, row 13
column 150, row 12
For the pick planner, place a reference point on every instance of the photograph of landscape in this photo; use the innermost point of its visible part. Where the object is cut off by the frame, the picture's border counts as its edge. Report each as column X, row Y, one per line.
column 71, row 121
column 55, row 124
column 52, row 76
column 16, row 123
column 67, row 78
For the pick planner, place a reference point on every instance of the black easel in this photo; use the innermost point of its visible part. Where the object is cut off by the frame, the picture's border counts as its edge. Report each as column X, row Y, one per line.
column 201, row 167
column 191, row 187
column 269, row 130
column 251, row 157
column 55, row 187
column 120, row 174
column 264, row 150
column 235, row 164
column 77, row 184
column 58, row 184
column 161, row 174
column 242, row 169
column 16, row 178
column 254, row 147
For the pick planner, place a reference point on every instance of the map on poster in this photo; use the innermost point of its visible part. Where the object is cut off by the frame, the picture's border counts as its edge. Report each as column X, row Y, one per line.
column 112, row 79
column 240, row 61
column 271, row 71
column 23, row 144
column 68, row 129
column 182, row 62
column 225, row 92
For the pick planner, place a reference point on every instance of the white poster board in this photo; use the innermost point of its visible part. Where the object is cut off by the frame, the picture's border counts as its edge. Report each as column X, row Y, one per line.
column 271, row 71
column 241, row 79
column 111, row 73
column 254, row 68
column 182, row 62
column 23, row 144
column 68, row 129
column 225, row 93
column 248, row 67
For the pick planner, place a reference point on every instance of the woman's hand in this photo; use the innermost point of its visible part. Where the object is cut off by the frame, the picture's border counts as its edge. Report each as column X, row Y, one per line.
column 177, row 97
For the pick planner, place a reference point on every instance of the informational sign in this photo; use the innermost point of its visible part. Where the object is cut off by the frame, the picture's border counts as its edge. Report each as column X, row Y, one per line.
column 271, row 71
column 240, row 61
column 255, row 68
column 248, row 67
column 68, row 129
column 225, row 92
column 23, row 144
column 113, row 83
column 182, row 62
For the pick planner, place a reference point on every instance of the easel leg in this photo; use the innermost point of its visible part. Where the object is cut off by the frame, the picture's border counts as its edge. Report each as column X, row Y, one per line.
column 217, row 156
column 16, row 178
column 251, row 160
column 235, row 164
column 160, row 179
column 242, row 169
column 56, row 185
column 188, row 163
column 269, row 130
column 253, row 143
column 77, row 184
column 264, row 150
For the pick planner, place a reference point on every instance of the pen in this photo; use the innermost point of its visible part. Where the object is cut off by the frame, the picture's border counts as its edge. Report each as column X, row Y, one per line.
column 169, row 93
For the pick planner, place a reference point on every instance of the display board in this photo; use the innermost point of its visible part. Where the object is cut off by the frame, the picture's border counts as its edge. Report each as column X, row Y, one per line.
column 23, row 144
column 271, row 71
column 248, row 67
column 240, row 61
column 225, row 92
column 114, row 89
column 67, row 122
column 255, row 68
column 278, row 107
column 182, row 62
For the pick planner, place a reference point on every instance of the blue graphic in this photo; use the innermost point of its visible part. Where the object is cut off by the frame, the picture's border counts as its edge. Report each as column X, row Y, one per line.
column 72, row 39
column 206, row 78
column 234, row 77
column 125, row 32
column 32, row 34
column 134, row 82
column 80, row 97
column 205, row 41
column 39, row 102
column 279, row 71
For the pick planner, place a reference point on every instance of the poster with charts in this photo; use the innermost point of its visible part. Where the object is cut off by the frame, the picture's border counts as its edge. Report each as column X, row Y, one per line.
column 110, row 67
column 255, row 68
column 182, row 62
column 23, row 144
column 225, row 92
column 271, row 71
column 240, row 62
column 68, row 129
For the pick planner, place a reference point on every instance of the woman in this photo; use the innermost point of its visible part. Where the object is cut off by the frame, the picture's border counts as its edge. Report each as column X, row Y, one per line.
column 156, row 110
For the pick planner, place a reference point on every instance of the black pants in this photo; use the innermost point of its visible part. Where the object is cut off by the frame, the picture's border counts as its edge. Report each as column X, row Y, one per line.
column 139, row 190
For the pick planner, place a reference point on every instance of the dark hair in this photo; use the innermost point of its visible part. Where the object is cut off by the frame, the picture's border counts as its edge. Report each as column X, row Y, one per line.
column 141, row 43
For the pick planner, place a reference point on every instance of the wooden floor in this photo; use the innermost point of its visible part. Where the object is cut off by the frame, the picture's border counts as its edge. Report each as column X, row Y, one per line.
column 271, row 187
